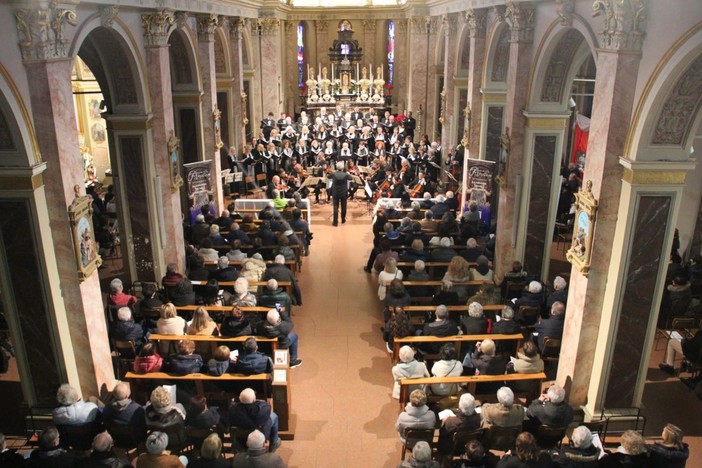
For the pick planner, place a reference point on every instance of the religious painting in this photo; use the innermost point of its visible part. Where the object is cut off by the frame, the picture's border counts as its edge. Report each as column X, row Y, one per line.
column 174, row 169
column 98, row 133
column 580, row 251
column 217, row 116
column 80, row 214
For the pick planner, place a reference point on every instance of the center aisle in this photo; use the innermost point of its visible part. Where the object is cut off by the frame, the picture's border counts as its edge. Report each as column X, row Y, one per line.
column 343, row 413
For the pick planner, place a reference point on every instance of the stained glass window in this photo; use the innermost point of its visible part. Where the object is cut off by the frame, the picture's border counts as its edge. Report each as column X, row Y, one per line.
column 391, row 51
column 300, row 55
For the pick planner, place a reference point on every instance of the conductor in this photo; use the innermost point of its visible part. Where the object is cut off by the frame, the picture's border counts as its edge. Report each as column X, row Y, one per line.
column 340, row 189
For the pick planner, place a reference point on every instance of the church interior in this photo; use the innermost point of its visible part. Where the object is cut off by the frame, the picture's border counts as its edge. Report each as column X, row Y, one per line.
column 568, row 128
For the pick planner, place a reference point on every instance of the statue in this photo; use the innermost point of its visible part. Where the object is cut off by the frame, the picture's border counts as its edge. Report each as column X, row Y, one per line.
column 325, row 82
column 345, row 83
column 378, row 83
column 364, row 82
column 87, row 163
column 311, row 85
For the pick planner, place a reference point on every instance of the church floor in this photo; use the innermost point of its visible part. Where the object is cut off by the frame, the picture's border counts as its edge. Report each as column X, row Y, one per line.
column 343, row 415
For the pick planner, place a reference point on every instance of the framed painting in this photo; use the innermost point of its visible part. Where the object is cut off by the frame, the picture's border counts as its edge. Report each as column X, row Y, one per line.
column 80, row 214
column 580, row 250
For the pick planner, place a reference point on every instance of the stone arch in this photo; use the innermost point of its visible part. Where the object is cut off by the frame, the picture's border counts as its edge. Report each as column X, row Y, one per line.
column 248, row 58
column 561, row 53
column 124, row 90
column 222, row 58
column 495, row 72
column 463, row 52
column 185, row 74
column 669, row 114
column 18, row 142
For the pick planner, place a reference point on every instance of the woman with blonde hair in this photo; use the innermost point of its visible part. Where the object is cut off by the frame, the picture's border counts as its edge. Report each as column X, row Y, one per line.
column 169, row 324
column 458, row 271
column 202, row 324
column 390, row 272
column 671, row 452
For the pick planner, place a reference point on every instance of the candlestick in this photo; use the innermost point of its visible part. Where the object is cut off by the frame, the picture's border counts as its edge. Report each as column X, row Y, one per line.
column 358, row 75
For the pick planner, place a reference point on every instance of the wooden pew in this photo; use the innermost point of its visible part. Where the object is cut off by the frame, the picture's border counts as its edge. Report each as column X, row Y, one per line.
column 429, row 266
column 223, row 249
column 292, row 264
column 455, row 311
column 287, row 285
column 174, row 339
column 456, row 339
column 471, row 380
column 436, row 284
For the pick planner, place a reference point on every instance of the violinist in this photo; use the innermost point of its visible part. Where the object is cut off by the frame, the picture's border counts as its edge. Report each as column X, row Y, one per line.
column 398, row 188
column 406, row 173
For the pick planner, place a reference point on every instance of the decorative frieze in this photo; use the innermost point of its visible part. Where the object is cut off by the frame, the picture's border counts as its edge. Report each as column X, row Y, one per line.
column 475, row 19
column 624, row 23
column 156, row 27
column 40, row 32
column 520, row 17
column 108, row 14
column 206, row 26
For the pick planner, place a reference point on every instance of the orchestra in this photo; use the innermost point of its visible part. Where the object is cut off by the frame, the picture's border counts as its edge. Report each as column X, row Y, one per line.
column 380, row 151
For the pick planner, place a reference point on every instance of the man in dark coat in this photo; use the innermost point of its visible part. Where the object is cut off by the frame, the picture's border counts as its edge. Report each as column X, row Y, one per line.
column 280, row 272
column 550, row 409
column 280, row 326
column 340, row 192
column 251, row 361
column 123, row 410
column 442, row 326
column 250, row 413
column 125, row 329
column 552, row 326
column 102, row 454
column 274, row 296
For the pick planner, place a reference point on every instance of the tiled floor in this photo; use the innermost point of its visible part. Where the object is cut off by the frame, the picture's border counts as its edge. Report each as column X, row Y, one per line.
column 343, row 413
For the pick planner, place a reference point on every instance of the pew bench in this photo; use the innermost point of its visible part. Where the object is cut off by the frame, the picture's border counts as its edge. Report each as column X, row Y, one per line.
column 287, row 285
column 457, row 340
column 436, row 285
column 471, row 381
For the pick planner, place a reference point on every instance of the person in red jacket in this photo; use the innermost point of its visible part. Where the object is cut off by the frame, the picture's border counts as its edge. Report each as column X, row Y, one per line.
column 117, row 297
column 148, row 360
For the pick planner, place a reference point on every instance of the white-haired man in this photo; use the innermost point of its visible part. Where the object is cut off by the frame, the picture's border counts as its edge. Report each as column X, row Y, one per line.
column 464, row 419
column 250, row 413
column 102, row 454
column 123, row 410
column 279, row 326
column 443, row 253
column 560, row 292
column 72, row 409
column 442, row 326
column 273, row 296
column 280, row 272
column 440, row 207
column 224, row 272
column 552, row 326
column 504, row 413
column 581, row 453
column 340, row 191
column 532, row 297
column 126, row 329
column 550, row 409
column 257, row 454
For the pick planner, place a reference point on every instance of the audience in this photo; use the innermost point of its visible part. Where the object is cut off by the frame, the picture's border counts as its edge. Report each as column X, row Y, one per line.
column 552, row 326
column 102, row 454
column 482, row 271
column 280, row 272
column 236, row 324
column 465, row 418
column 161, row 411
column 126, row 329
column 156, row 454
column 671, row 451
column 416, row 415
column 148, row 360
column 250, row 413
column 277, row 326
column 72, row 409
column 123, row 410
column 526, row 453
column 117, row 297
column 210, row 454
column 550, row 409
column 631, row 453
column 251, row 361
column 559, row 294
column 580, row 452
column 398, row 325
column 257, row 454
column 49, row 454
column 504, row 413
column 185, row 362
column 200, row 416
column 421, row 457
column 407, row 368
column 169, row 324
column 446, row 366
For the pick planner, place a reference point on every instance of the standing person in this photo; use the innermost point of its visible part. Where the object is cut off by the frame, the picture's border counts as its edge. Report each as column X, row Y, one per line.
column 340, row 191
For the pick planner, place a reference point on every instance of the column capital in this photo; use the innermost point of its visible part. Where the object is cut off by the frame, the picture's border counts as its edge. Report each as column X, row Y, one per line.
column 520, row 17
column 624, row 24
column 565, row 10
column 290, row 27
column 266, row 26
column 108, row 13
column 206, row 26
column 237, row 25
column 156, row 26
column 369, row 24
column 321, row 26
column 423, row 24
column 476, row 22
column 40, row 32
column 401, row 25
column 656, row 172
column 450, row 23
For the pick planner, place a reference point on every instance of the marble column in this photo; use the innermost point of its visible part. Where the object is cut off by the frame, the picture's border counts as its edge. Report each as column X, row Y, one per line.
column 400, row 92
column 270, row 51
column 432, row 84
column 418, row 70
column 476, row 23
column 617, row 67
column 451, row 116
column 236, row 41
column 291, row 90
column 520, row 18
column 369, row 42
column 321, row 28
column 211, row 123
column 156, row 27
column 82, row 345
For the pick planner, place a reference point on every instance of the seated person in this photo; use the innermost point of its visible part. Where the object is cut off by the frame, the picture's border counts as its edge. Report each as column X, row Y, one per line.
column 125, row 329
column 198, row 272
column 220, row 362
column 505, row 325
column 224, row 272
column 72, row 409
column 690, row 348
column 465, row 418
column 419, row 274
column 284, row 248
column 277, row 326
column 200, row 416
column 148, row 360
column 488, row 294
column 482, row 271
column 441, row 326
column 484, row 359
column 9, row 458
column 580, row 452
column 443, row 253
column 416, row 252
column 416, row 415
column 504, row 413
column 169, row 324
column 631, row 453
column 207, row 252
column 151, row 301
column 102, row 454
column 671, row 452
column 274, row 296
column 251, row 361
column 552, row 326
column 157, row 455
column 398, row 325
column 476, row 455
column 117, row 297
column 162, row 411
column 550, row 409
column 250, row 413
column 172, row 276
column 528, row 360
column 258, row 453
column 446, row 366
column 237, row 233
column 533, row 297
column 396, row 295
column 203, row 325
column 458, row 271
column 210, row 454
column 472, row 250
column 475, row 323
column 526, row 454
column 215, row 237
column 280, row 272
column 235, row 324
column 407, row 368
column 235, row 254
column 385, row 253
column 185, row 362
column 50, row 454
column 123, row 410
column 183, row 294
column 559, row 294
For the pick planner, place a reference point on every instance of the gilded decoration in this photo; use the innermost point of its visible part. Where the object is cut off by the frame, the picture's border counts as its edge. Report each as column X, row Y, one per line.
column 558, row 66
column 41, row 32
column 680, row 108
column 624, row 23
column 565, row 10
column 206, row 26
column 80, row 214
column 267, row 26
column 236, row 27
column 476, row 22
column 156, row 27
column 520, row 18
column 580, row 252
column 108, row 14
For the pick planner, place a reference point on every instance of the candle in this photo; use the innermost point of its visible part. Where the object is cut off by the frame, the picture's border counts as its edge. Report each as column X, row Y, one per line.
column 332, row 70
column 319, row 69
column 358, row 75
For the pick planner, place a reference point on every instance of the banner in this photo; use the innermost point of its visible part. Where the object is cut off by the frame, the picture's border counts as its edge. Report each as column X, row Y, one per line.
column 198, row 177
column 478, row 182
